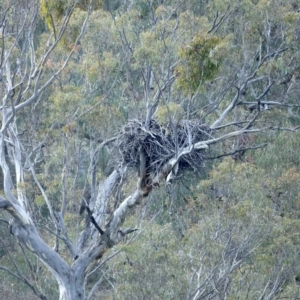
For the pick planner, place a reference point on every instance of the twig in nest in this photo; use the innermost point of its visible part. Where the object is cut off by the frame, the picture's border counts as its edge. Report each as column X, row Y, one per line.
column 159, row 143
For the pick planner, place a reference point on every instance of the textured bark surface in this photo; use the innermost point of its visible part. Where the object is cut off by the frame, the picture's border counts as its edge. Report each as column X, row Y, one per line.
column 180, row 142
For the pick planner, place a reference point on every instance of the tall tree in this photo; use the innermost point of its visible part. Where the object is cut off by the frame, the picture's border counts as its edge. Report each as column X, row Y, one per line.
column 70, row 92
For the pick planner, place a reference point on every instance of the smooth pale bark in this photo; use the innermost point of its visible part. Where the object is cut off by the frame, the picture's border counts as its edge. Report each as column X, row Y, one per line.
column 71, row 279
column 92, row 244
column 22, row 227
column 31, row 86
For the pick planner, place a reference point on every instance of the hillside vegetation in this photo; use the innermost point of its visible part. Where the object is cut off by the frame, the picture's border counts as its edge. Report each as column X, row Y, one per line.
column 150, row 149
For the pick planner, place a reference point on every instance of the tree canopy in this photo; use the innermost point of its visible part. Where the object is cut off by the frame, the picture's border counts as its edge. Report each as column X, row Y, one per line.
column 149, row 149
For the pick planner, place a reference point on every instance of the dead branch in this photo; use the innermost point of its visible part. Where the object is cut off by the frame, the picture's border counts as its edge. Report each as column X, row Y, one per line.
column 159, row 144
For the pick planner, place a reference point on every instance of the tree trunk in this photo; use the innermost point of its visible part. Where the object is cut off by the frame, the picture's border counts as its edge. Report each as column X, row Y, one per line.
column 71, row 290
column 70, row 281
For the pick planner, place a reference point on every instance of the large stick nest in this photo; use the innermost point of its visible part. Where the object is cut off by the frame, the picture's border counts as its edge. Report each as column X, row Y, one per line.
column 158, row 143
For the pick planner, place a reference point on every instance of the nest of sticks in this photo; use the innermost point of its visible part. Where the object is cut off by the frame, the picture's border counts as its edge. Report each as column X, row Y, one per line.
column 159, row 143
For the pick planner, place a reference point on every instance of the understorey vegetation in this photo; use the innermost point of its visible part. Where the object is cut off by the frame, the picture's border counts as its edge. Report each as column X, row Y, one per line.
column 149, row 149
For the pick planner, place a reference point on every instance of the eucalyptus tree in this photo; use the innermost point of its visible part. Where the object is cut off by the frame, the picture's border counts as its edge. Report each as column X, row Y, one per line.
column 71, row 90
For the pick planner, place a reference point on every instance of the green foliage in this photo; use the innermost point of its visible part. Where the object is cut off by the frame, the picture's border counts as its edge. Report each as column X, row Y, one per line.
column 170, row 110
column 240, row 206
column 243, row 210
column 151, row 268
column 53, row 10
column 55, row 7
column 200, row 62
column 147, row 52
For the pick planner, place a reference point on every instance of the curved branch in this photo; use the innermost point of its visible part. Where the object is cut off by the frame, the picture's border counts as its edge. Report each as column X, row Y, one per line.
column 24, row 279
column 4, row 221
column 274, row 103
column 237, row 151
column 16, row 211
column 18, row 273
column 4, row 203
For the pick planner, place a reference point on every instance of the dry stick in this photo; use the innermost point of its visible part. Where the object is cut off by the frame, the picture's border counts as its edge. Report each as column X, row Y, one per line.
column 19, row 275
column 90, row 214
column 237, row 151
